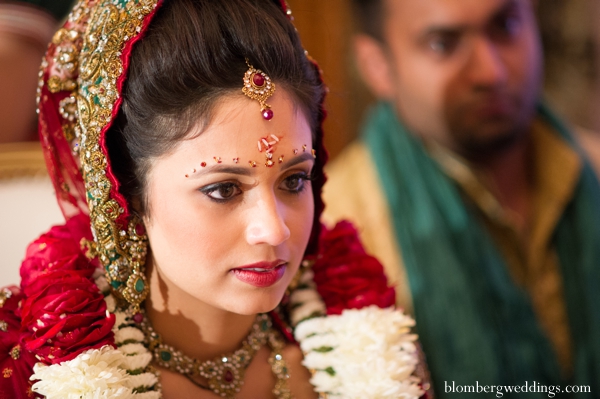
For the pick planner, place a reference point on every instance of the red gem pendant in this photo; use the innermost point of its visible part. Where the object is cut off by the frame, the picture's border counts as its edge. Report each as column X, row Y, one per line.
column 138, row 318
column 267, row 114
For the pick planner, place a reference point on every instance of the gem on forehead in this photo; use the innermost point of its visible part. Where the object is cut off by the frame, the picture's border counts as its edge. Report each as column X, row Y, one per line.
column 267, row 114
column 295, row 151
column 252, row 163
column 304, row 148
column 258, row 79
column 203, row 164
column 217, row 159
column 236, row 160
column 280, row 159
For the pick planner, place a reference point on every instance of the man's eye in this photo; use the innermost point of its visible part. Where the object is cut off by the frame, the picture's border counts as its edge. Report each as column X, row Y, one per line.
column 511, row 25
column 222, row 191
column 443, row 44
column 507, row 25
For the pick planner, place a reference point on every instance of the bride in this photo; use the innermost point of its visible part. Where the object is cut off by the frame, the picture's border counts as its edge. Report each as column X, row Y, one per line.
column 184, row 141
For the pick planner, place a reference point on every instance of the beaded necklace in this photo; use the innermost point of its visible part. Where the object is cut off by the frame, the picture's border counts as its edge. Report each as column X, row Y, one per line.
column 225, row 373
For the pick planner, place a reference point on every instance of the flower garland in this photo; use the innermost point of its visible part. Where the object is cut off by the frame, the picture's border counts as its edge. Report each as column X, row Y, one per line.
column 355, row 344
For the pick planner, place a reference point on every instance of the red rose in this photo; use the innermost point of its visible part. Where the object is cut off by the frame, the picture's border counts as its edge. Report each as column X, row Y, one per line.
column 59, row 248
column 66, row 314
column 346, row 277
column 342, row 239
column 16, row 363
column 63, row 311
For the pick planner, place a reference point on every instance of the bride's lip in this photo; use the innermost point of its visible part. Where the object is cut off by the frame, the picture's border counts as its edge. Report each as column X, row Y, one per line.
column 261, row 274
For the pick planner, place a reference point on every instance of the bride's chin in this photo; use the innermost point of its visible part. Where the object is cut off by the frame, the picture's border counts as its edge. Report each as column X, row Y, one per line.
column 257, row 303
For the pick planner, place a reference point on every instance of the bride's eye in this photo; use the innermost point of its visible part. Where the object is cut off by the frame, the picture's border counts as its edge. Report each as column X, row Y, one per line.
column 221, row 192
column 295, row 183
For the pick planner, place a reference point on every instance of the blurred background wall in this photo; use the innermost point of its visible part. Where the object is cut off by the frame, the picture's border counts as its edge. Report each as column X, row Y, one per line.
column 570, row 32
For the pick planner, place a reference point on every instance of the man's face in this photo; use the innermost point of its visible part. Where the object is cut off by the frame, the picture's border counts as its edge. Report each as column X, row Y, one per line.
column 466, row 73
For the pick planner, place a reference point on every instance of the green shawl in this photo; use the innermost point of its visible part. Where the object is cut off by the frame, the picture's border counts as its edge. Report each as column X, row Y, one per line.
column 475, row 323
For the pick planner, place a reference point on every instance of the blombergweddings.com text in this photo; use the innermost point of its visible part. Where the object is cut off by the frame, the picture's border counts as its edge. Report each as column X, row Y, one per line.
column 526, row 387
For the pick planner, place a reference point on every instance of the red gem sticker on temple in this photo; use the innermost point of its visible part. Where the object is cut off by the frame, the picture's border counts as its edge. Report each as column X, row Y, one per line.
column 267, row 144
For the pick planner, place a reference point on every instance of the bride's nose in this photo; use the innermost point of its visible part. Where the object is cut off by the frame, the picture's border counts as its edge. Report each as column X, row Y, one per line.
column 266, row 223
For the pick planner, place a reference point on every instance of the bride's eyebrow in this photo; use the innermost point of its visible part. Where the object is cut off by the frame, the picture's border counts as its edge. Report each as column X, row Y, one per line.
column 245, row 170
column 236, row 170
column 296, row 160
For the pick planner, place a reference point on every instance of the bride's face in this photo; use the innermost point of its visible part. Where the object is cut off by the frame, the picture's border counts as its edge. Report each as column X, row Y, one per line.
column 224, row 227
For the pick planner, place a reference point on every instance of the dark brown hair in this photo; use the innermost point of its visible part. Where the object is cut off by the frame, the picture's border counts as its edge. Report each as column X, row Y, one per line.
column 193, row 54
column 369, row 17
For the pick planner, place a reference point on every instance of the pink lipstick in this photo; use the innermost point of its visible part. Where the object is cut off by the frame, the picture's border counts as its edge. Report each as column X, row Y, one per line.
column 261, row 274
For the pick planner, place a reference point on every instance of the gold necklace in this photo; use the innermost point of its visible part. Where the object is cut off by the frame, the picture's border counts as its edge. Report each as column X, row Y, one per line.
column 225, row 374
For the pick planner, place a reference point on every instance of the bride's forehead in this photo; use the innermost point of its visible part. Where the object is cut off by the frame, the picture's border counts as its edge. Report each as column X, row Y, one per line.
column 237, row 122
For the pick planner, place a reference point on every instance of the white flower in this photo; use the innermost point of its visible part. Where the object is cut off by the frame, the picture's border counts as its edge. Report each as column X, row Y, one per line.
column 307, row 310
column 304, row 295
column 94, row 374
column 120, row 319
column 305, row 301
column 148, row 395
column 142, row 380
column 137, row 362
column 133, row 349
column 129, row 334
column 366, row 353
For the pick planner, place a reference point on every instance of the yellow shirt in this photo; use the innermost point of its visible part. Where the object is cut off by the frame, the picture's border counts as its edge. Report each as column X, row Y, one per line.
column 354, row 192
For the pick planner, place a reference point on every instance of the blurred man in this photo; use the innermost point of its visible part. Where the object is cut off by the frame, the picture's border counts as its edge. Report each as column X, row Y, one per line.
column 475, row 196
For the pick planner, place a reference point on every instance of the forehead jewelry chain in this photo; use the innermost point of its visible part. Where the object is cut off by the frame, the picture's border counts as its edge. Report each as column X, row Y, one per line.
column 258, row 86
column 225, row 374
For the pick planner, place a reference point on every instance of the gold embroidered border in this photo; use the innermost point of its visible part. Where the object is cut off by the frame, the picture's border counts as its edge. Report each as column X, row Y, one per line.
column 121, row 249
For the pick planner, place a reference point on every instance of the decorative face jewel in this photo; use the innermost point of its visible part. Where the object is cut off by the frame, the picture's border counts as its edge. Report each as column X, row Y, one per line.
column 258, row 86
column 268, row 144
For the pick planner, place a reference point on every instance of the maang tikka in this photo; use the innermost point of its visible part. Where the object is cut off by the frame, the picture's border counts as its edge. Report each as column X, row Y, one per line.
column 258, row 86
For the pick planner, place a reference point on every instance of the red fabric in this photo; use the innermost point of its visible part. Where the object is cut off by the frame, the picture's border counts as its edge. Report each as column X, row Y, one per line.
column 14, row 373
column 63, row 311
column 346, row 276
